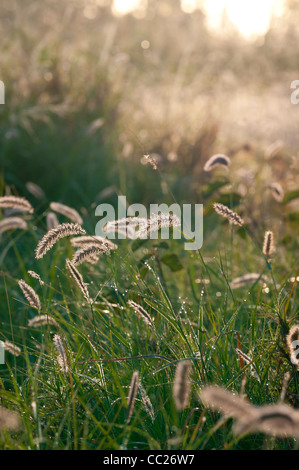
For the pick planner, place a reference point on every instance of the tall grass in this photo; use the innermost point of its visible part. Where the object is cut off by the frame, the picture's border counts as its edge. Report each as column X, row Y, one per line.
column 114, row 352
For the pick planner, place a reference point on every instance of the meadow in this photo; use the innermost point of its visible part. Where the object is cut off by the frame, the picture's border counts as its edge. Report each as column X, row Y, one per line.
column 116, row 346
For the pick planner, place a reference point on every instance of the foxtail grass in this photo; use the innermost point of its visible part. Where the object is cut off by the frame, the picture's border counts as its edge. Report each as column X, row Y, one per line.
column 182, row 385
column 67, row 211
column 30, row 294
column 232, row 216
column 11, row 348
column 55, row 234
column 217, row 160
column 132, row 394
column 15, row 202
column 11, row 223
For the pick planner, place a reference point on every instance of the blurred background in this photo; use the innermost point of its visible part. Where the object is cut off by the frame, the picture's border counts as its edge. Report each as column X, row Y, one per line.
column 94, row 85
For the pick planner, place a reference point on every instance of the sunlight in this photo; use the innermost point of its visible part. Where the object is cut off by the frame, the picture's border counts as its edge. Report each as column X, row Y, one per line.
column 251, row 17
column 122, row 7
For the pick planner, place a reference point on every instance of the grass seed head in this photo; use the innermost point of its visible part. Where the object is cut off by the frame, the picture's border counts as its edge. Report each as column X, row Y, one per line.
column 41, row 320
column 67, row 211
column 217, row 160
column 182, row 385
column 78, row 279
column 11, row 348
column 132, row 394
column 55, row 234
column 30, row 294
column 277, row 191
column 15, row 202
column 52, row 220
column 268, row 246
column 233, row 217
column 62, row 357
column 292, row 340
column 11, row 223
column 9, row 420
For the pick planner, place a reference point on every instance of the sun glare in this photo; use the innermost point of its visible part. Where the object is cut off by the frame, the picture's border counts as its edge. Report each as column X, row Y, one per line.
column 251, row 17
column 123, row 7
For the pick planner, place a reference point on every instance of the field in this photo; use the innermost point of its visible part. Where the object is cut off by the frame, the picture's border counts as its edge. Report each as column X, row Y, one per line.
column 143, row 344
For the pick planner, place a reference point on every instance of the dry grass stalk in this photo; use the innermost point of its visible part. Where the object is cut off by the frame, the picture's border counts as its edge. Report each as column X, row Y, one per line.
column 41, row 320
column 88, row 253
column 132, row 394
column 268, row 246
column 142, row 313
column 182, row 385
column 233, row 217
column 9, row 420
column 292, row 340
column 78, row 278
column 278, row 420
column 15, row 202
column 67, row 211
column 36, row 276
column 11, row 348
column 30, row 294
column 11, row 223
column 52, row 236
column 52, row 220
column 217, row 160
column 62, row 358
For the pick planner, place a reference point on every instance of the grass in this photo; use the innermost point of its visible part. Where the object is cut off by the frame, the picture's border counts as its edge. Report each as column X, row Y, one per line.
column 78, row 122
column 196, row 317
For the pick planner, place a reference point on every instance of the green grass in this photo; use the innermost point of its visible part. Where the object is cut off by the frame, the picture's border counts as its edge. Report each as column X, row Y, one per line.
column 83, row 105
column 196, row 316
